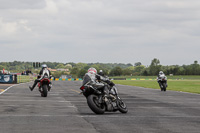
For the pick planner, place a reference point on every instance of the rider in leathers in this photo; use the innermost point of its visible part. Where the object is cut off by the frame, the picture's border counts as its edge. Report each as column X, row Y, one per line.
column 44, row 71
column 161, row 74
column 97, row 79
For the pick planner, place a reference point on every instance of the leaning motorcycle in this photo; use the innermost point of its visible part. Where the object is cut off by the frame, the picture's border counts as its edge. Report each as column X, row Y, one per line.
column 162, row 80
column 100, row 101
column 44, row 86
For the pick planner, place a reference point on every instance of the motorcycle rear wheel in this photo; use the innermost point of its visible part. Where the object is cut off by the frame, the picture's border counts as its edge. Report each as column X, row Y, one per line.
column 97, row 108
column 44, row 91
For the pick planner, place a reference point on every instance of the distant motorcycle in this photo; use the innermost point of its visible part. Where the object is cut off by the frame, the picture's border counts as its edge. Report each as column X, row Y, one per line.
column 98, row 101
column 44, row 86
column 162, row 81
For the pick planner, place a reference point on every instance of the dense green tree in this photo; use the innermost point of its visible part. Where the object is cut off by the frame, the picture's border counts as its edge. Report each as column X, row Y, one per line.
column 96, row 66
column 117, row 71
column 1, row 67
column 114, row 69
column 195, row 68
column 81, row 73
column 155, row 67
column 138, row 64
column 74, row 72
column 81, row 65
column 60, row 66
column 127, row 71
column 145, row 73
column 68, row 66
column 138, row 70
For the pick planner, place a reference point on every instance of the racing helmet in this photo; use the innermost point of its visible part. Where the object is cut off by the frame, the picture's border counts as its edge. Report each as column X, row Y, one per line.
column 92, row 70
column 161, row 72
column 44, row 66
column 101, row 72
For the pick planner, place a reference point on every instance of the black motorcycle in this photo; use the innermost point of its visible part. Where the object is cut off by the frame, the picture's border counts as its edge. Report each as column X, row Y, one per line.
column 100, row 100
column 162, row 82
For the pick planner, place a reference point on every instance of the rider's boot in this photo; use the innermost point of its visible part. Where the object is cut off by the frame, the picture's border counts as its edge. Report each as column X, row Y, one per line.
column 31, row 88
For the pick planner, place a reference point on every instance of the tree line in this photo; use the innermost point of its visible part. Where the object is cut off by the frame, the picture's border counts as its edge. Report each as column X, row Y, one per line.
column 77, row 70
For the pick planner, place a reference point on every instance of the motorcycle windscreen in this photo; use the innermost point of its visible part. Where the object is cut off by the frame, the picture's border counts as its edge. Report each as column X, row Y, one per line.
column 162, row 77
column 86, row 79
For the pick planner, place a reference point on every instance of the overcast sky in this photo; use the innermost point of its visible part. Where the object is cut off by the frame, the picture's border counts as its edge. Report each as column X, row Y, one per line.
column 106, row 31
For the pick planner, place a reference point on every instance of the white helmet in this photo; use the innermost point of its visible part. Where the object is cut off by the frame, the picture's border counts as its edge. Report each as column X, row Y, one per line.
column 92, row 70
column 100, row 71
column 161, row 72
column 44, row 66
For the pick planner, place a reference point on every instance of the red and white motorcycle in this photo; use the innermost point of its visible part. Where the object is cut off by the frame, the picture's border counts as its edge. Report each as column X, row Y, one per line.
column 44, row 86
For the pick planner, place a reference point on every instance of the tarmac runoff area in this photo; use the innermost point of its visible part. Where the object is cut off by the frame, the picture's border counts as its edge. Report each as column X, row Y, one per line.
column 65, row 110
column 3, row 87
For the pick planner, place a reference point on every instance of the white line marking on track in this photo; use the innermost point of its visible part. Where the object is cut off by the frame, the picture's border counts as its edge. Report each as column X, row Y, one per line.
column 8, row 88
column 11, row 87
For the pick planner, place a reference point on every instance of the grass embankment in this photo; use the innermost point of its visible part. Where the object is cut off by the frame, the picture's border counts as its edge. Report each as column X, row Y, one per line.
column 181, row 77
column 192, row 86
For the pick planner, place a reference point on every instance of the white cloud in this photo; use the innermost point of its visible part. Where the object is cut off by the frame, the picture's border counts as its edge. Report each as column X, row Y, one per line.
column 117, row 30
column 51, row 6
column 7, row 28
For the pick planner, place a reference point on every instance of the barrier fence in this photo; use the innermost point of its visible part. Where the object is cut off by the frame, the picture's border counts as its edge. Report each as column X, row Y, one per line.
column 79, row 79
column 72, row 79
column 139, row 79
column 25, row 78
column 7, row 78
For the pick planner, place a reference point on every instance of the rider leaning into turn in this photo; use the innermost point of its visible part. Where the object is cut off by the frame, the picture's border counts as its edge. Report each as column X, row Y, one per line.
column 43, row 72
column 96, row 78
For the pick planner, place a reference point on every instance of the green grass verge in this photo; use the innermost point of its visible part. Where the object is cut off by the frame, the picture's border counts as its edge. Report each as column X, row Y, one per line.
column 184, row 77
column 184, row 86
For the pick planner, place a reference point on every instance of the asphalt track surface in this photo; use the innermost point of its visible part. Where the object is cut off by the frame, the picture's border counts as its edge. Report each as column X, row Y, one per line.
column 65, row 111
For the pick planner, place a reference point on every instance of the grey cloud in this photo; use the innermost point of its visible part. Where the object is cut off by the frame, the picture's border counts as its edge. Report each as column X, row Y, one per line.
column 22, row 4
column 126, row 30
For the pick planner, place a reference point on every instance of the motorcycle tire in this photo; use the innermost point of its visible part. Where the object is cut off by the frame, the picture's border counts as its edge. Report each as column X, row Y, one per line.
column 161, row 87
column 92, row 103
column 164, row 87
column 122, row 106
column 44, row 91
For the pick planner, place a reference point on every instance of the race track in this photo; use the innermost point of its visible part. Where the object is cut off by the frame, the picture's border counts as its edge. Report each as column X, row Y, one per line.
column 65, row 111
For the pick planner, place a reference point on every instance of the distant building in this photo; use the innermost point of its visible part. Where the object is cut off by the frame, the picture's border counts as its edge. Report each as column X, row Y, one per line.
column 65, row 76
column 52, row 70
column 61, row 69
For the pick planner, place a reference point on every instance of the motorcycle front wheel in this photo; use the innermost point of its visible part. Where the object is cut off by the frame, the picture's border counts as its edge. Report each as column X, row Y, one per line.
column 122, row 106
column 96, row 107
column 161, row 87
column 164, row 87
